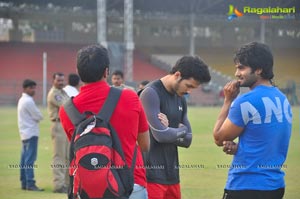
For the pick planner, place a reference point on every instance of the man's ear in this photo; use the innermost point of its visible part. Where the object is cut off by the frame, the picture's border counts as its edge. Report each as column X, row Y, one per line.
column 106, row 73
column 258, row 71
column 177, row 75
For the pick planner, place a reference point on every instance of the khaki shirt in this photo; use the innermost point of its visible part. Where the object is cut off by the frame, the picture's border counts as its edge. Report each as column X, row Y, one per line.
column 56, row 97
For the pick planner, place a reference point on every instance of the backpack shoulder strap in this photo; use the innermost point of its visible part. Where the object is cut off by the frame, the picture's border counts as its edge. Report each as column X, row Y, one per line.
column 75, row 116
column 110, row 103
column 105, row 114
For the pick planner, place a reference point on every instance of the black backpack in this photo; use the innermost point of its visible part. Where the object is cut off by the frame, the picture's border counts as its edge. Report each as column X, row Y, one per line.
column 97, row 162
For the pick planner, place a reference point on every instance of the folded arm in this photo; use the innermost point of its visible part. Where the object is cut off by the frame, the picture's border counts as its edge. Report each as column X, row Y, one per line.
column 34, row 111
column 187, row 139
column 160, row 132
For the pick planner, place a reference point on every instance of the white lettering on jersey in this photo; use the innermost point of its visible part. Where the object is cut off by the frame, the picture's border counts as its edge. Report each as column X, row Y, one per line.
column 287, row 111
column 271, row 108
column 250, row 113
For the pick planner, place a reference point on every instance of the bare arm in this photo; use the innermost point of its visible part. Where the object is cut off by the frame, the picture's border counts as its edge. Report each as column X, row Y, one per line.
column 144, row 141
column 224, row 129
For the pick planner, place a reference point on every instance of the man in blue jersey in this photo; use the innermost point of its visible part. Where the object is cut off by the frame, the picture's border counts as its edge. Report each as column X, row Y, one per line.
column 262, row 120
column 166, row 111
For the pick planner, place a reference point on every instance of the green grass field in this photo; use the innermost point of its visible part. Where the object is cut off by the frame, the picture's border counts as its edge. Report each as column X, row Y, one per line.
column 205, row 180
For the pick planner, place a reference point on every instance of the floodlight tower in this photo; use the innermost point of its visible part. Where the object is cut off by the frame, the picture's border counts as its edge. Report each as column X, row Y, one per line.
column 192, row 34
column 101, row 22
column 128, row 39
column 192, row 27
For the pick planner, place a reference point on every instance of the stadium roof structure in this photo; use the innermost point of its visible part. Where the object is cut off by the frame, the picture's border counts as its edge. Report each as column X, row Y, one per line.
column 206, row 7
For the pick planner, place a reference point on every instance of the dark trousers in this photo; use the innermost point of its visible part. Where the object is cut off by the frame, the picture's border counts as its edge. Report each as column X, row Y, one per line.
column 254, row 194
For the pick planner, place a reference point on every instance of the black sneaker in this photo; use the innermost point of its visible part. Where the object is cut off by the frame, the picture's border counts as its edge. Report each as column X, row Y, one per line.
column 34, row 188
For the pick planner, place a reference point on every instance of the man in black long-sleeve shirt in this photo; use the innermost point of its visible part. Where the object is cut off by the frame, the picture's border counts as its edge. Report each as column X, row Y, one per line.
column 166, row 110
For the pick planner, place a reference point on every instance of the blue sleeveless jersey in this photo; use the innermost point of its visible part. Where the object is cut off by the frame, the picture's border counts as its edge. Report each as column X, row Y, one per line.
column 266, row 116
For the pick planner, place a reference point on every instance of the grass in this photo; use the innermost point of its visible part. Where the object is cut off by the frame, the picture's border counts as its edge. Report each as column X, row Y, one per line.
column 205, row 180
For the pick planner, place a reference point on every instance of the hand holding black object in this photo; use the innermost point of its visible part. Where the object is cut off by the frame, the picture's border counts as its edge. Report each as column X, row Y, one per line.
column 230, row 147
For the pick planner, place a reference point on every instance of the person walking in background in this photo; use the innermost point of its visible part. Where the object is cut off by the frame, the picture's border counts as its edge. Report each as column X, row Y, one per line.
column 72, row 89
column 262, row 120
column 128, row 119
column 166, row 110
column 56, row 97
column 117, row 80
column 29, row 117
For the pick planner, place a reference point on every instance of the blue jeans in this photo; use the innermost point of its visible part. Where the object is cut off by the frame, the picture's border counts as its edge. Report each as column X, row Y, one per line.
column 139, row 192
column 28, row 157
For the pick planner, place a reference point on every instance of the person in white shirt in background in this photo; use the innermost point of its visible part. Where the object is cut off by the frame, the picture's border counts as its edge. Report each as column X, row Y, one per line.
column 72, row 89
column 28, row 118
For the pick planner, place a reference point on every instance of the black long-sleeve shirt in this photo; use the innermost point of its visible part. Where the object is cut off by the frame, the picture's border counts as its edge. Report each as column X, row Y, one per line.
column 162, row 159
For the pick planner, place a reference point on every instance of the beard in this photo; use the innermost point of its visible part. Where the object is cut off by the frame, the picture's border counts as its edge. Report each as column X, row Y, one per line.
column 247, row 82
column 176, row 89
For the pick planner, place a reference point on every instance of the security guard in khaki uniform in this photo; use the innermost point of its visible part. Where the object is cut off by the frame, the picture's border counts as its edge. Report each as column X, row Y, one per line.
column 56, row 97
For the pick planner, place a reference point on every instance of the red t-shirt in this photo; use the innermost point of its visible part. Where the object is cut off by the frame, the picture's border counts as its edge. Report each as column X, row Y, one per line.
column 128, row 120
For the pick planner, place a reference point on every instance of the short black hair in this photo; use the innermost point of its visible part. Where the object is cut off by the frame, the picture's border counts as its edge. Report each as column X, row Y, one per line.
column 57, row 74
column 192, row 67
column 118, row 72
column 73, row 79
column 92, row 62
column 257, row 56
column 144, row 83
column 28, row 83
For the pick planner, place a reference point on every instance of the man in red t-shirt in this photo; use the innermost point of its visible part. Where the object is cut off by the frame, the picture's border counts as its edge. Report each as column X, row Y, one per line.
column 128, row 119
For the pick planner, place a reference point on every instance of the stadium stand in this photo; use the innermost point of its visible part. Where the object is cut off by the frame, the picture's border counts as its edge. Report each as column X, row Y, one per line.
column 24, row 60
column 160, row 31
